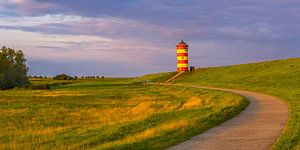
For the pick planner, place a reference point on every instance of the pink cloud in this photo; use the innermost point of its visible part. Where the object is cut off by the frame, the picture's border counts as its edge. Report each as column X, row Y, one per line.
column 27, row 6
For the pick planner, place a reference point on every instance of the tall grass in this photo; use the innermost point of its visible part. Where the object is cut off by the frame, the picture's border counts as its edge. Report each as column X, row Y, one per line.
column 110, row 114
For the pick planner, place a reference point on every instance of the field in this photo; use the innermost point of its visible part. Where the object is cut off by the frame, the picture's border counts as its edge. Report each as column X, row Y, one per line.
column 110, row 114
column 280, row 78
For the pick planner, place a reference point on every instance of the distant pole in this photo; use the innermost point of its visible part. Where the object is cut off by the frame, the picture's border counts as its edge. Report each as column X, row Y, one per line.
column 182, row 57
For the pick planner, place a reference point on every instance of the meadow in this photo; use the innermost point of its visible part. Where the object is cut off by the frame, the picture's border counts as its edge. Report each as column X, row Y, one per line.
column 280, row 78
column 110, row 113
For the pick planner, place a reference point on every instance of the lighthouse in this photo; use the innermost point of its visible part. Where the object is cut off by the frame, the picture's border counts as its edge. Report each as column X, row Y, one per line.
column 182, row 57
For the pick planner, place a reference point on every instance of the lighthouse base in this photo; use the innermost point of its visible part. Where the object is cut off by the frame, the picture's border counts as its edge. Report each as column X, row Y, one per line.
column 182, row 69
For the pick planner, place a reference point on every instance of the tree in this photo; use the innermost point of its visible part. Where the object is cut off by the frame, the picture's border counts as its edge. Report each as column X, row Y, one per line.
column 13, row 69
column 63, row 77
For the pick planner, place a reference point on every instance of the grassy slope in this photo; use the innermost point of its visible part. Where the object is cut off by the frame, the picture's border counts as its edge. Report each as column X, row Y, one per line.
column 280, row 78
column 157, row 77
column 109, row 114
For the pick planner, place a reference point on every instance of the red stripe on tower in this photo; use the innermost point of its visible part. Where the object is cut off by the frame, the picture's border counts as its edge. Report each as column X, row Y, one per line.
column 182, row 61
column 182, row 54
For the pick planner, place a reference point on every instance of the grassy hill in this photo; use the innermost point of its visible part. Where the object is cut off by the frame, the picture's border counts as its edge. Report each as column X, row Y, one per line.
column 280, row 78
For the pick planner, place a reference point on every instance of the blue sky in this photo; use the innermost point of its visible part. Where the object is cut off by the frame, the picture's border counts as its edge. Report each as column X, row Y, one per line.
column 135, row 37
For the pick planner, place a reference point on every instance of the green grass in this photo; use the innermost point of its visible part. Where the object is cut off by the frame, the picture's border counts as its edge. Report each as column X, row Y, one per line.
column 280, row 78
column 110, row 114
column 157, row 77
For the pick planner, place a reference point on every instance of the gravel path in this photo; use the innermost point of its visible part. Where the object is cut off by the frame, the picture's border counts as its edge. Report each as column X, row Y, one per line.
column 256, row 128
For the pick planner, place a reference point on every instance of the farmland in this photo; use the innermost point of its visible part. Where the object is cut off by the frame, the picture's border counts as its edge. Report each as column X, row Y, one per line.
column 110, row 114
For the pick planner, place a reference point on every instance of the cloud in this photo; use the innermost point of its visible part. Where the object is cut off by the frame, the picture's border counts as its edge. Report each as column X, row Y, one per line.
column 48, row 46
column 29, row 21
column 73, row 24
column 70, row 48
column 143, row 33
column 28, row 7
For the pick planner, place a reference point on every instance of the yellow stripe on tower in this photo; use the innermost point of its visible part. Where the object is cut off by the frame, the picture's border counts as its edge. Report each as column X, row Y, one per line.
column 182, row 65
column 182, row 58
column 181, row 51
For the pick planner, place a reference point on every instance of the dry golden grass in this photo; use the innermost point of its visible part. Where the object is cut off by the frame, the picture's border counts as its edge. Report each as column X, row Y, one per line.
column 59, row 93
column 142, row 98
column 148, row 133
column 193, row 102
column 12, row 111
column 45, row 131
column 101, row 116
column 111, row 116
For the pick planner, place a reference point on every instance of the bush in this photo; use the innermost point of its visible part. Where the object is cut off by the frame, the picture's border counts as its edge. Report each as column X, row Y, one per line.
column 13, row 70
column 63, row 77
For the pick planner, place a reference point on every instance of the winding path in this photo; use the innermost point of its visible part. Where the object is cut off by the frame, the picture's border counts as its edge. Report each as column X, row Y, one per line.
column 255, row 128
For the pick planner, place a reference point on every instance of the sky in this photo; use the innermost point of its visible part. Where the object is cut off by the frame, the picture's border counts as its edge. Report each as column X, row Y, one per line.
column 123, row 38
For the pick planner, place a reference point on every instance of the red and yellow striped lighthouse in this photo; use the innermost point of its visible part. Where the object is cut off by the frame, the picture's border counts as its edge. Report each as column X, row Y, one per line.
column 182, row 57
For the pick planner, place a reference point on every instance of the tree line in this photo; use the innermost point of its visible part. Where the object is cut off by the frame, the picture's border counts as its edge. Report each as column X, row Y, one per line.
column 67, row 77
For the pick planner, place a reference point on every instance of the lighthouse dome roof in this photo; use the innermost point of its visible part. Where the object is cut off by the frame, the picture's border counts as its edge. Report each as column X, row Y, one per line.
column 182, row 44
